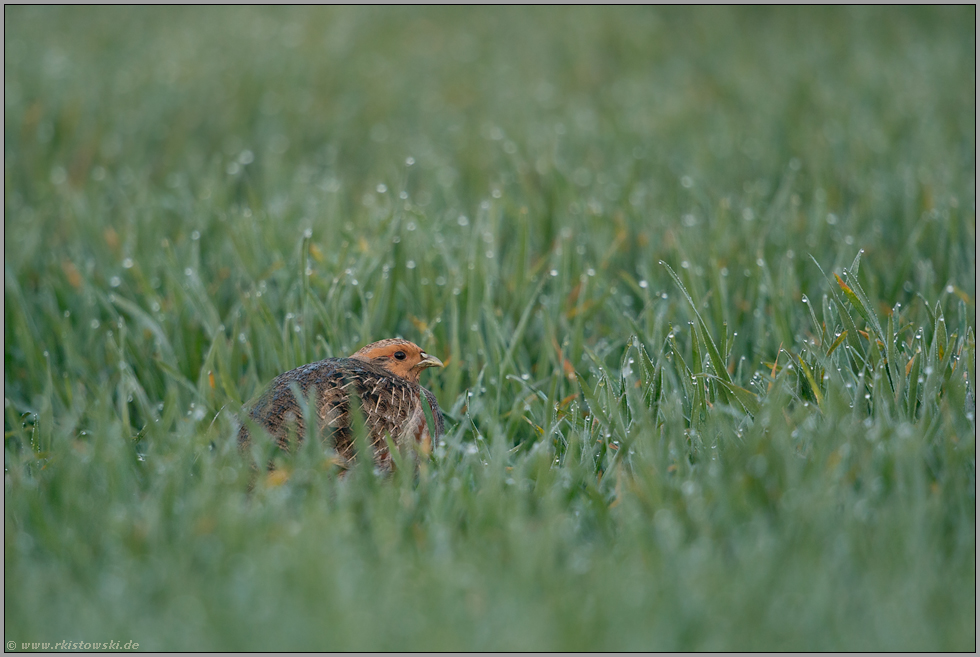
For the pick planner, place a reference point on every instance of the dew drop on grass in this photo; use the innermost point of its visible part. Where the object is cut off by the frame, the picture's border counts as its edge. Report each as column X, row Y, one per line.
column 553, row 272
column 644, row 284
column 127, row 263
column 115, row 281
column 410, row 264
column 196, row 235
column 381, row 188
column 94, row 324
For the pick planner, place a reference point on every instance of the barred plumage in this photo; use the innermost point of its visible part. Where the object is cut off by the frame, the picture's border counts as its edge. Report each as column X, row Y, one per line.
column 384, row 376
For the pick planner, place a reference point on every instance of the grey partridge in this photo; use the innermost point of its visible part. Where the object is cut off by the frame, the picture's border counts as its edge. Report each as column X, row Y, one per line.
column 385, row 377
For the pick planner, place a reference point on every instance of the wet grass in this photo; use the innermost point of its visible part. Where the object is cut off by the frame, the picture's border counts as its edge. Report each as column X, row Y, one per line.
column 704, row 282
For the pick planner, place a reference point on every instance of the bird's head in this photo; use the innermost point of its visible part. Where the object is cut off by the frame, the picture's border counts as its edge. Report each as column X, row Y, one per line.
column 400, row 357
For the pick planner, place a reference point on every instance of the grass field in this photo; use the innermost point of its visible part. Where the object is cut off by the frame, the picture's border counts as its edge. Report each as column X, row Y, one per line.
column 704, row 281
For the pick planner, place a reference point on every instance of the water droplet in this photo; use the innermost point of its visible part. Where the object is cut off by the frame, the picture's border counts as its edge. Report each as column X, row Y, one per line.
column 94, row 323
column 127, row 263
column 409, row 161
column 553, row 272
column 410, row 264
column 115, row 281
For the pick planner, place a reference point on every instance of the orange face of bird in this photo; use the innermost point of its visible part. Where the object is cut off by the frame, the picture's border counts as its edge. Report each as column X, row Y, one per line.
column 400, row 357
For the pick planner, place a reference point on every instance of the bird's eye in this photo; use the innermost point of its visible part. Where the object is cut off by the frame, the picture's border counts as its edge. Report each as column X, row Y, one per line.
column 400, row 355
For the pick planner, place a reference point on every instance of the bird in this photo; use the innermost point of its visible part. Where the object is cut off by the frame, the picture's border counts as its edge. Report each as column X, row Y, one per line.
column 384, row 376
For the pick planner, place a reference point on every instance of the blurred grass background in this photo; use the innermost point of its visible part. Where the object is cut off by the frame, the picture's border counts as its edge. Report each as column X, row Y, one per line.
column 196, row 199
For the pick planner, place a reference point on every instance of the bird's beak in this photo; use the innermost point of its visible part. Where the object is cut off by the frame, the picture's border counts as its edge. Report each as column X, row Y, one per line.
column 427, row 361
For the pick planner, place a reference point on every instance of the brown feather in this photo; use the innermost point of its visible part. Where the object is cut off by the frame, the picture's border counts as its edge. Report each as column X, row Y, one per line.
column 331, row 381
